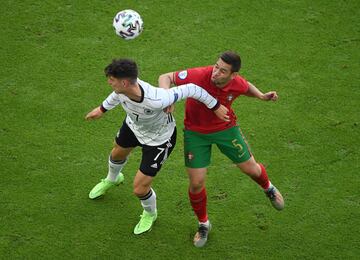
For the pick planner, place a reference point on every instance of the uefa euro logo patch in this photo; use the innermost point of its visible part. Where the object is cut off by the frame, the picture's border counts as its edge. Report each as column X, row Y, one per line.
column 182, row 74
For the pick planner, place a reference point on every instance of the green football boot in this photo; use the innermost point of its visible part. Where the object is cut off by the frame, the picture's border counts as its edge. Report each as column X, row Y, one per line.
column 104, row 185
column 146, row 222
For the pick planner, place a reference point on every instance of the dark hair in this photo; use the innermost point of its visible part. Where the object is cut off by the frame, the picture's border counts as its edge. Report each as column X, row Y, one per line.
column 233, row 59
column 122, row 68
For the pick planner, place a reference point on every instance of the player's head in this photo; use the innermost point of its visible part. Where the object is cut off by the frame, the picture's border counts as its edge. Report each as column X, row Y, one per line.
column 225, row 68
column 233, row 59
column 121, row 73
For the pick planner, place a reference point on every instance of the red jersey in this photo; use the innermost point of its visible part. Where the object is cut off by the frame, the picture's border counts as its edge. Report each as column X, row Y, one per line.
column 198, row 117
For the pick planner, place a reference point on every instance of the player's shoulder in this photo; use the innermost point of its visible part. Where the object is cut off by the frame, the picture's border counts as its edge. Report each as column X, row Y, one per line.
column 240, row 79
column 241, row 82
column 148, row 89
column 196, row 73
column 201, row 70
column 151, row 93
column 144, row 84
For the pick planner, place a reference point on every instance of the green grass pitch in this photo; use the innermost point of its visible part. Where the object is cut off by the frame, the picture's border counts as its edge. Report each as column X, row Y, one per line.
column 52, row 55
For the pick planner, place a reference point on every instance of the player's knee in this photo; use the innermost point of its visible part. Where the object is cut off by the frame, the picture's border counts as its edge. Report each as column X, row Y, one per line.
column 196, row 186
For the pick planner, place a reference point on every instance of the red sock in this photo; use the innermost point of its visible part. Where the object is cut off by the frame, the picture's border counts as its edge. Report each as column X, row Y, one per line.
column 198, row 203
column 263, row 179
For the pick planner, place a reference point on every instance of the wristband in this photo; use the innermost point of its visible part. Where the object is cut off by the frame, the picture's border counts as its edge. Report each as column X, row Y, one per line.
column 103, row 109
column 216, row 106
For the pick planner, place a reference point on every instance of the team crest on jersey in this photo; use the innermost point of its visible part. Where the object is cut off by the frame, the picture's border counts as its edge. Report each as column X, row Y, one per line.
column 190, row 156
column 182, row 74
column 148, row 111
column 230, row 97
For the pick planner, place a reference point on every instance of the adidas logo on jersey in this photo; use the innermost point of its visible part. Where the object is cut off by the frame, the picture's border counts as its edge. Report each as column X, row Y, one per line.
column 154, row 166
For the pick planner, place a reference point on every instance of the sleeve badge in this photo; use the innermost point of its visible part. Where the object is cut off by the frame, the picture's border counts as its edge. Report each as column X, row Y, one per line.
column 182, row 74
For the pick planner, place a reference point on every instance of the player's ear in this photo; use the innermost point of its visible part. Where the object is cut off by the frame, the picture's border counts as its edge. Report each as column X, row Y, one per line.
column 125, row 83
column 233, row 74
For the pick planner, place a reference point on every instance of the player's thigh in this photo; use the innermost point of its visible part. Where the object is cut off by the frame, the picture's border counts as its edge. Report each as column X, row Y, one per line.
column 233, row 144
column 197, row 150
column 125, row 141
column 153, row 157
column 126, row 138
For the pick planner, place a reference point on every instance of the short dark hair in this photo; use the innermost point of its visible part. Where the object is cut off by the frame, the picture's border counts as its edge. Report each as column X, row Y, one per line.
column 233, row 59
column 122, row 68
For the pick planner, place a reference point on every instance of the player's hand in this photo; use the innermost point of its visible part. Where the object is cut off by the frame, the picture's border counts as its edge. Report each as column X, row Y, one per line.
column 221, row 113
column 272, row 95
column 169, row 109
column 94, row 114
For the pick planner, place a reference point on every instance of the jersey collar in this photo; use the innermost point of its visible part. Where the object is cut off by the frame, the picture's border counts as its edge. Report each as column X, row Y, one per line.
column 142, row 95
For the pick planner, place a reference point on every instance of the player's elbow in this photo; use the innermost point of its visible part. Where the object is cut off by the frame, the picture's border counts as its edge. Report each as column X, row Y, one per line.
column 166, row 79
column 163, row 76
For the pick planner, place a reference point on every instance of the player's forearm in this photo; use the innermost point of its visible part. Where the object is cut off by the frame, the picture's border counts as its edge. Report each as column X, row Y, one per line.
column 254, row 92
column 95, row 113
column 165, row 80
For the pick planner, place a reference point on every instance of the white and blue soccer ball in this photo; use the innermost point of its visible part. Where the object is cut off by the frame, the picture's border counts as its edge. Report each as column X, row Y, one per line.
column 128, row 24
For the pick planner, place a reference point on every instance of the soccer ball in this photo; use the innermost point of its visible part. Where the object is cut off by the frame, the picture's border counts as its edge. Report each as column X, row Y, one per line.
column 128, row 24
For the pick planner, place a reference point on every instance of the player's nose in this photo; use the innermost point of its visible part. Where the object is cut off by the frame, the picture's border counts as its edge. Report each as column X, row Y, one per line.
column 215, row 73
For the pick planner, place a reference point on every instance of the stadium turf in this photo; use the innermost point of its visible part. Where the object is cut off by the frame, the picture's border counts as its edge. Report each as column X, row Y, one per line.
column 52, row 55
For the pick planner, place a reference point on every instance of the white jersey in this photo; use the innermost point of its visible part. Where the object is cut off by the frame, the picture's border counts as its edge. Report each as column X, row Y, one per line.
column 146, row 118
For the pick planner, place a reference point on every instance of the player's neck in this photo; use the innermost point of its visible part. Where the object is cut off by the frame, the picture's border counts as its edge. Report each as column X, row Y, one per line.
column 134, row 92
column 222, row 85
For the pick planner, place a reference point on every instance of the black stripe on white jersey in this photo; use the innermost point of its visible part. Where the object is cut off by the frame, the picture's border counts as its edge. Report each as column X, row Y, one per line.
column 170, row 118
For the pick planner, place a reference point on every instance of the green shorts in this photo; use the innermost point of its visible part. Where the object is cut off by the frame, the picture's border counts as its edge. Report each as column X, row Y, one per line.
column 231, row 142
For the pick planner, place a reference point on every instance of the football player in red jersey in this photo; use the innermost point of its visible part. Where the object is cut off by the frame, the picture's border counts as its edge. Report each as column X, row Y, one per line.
column 203, row 128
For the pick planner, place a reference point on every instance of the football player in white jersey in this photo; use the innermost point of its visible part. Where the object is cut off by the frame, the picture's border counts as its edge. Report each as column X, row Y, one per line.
column 146, row 125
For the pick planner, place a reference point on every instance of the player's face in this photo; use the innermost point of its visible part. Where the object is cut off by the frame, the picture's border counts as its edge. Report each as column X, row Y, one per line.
column 221, row 73
column 116, row 84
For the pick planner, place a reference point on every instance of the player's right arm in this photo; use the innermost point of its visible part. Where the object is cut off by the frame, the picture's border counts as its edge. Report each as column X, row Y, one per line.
column 109, row 103
column 166, row 81
column 94, row 114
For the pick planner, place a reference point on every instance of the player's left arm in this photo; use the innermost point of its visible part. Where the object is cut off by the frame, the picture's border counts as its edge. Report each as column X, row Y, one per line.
column 255, row 92
column 190, row 90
